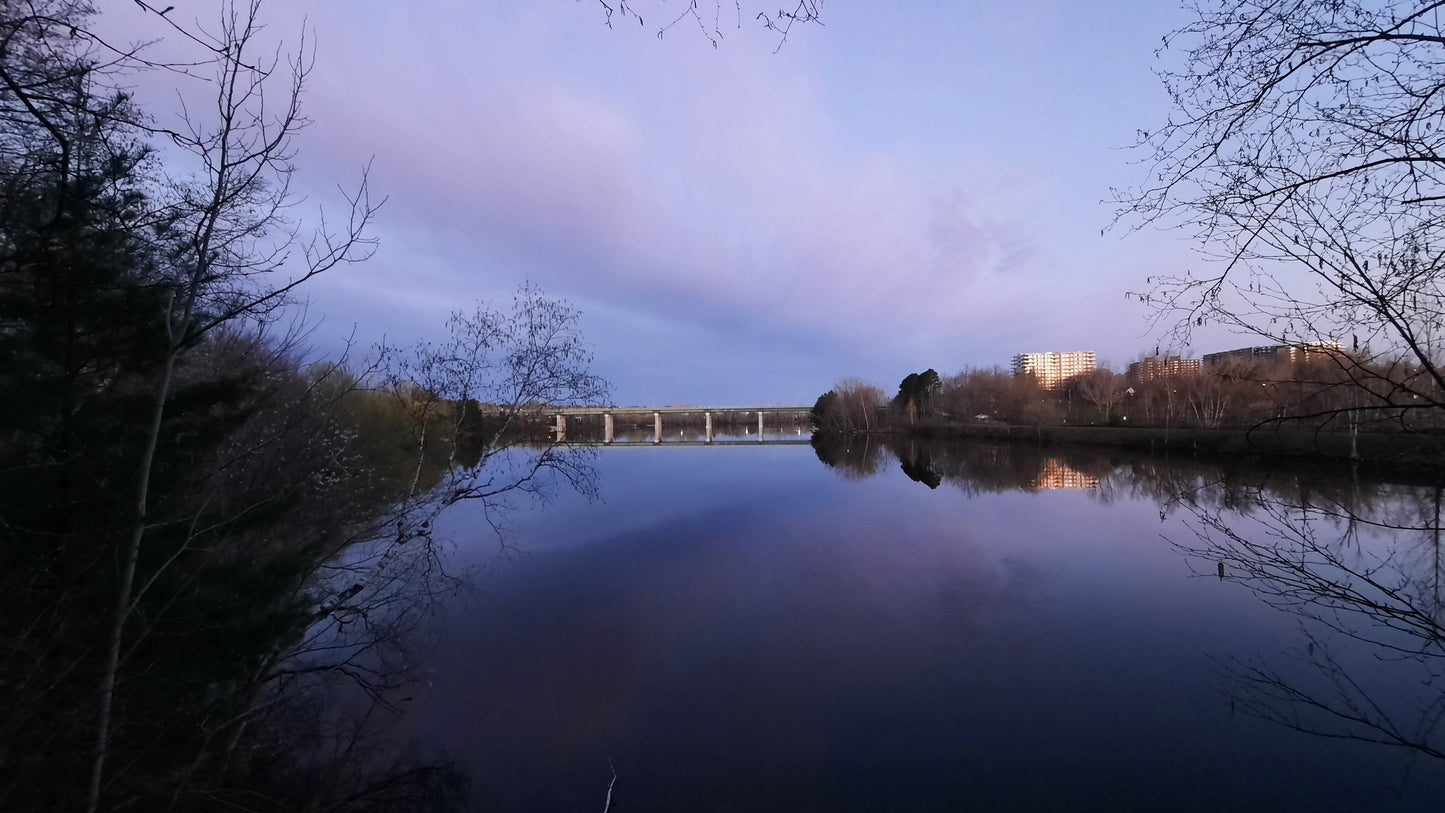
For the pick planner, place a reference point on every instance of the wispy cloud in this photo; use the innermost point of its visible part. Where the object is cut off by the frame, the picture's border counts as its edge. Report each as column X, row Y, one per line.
column 745, row 202
column 854, row 215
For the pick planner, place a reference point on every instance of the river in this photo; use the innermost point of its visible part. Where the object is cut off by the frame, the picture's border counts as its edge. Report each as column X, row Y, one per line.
column 945, row 628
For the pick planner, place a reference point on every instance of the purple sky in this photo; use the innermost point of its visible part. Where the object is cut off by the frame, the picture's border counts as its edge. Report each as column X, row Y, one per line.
column 921, row 186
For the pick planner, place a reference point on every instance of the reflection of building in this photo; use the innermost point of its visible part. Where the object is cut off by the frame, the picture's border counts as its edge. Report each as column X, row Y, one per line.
column 1272, row 354
column 1051, row 369
column 1054, row 474
column 1156, row 368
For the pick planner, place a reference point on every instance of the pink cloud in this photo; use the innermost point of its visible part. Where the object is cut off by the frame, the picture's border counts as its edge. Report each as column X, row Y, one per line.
column 712, row 180
column 669, row 182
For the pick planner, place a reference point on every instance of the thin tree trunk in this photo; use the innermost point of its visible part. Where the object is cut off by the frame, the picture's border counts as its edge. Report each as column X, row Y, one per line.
column 420, row 452
column 127, row 579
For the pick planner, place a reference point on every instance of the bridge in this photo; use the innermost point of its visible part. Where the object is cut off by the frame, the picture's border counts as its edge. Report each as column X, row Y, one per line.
column 608, row 414
column 683, row 444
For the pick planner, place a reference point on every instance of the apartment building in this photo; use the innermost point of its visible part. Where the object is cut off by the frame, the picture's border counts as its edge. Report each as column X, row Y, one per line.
column 1052, row 369
column 1158, row 368
column 1271, row 355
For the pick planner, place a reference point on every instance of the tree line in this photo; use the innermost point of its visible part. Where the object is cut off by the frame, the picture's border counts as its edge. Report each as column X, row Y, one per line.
column 206, row 535
column 1304, row 152
column 1327, row 391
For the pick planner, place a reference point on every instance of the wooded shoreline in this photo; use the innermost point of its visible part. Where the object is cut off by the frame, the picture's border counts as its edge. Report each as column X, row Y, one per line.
column 1414, row 456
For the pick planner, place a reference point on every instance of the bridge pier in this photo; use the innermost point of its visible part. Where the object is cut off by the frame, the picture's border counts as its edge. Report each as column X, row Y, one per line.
column 708, row 417
column 561, row 428
column 760, row 425
column 657, row 427
column 607, row 428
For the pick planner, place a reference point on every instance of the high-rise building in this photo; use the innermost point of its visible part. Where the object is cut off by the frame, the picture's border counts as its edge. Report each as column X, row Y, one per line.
column 1156, row 368
column 1052, row 369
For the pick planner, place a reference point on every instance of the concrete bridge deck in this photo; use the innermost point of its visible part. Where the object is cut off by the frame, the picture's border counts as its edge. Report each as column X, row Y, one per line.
column 561, row 415
column 676, row 410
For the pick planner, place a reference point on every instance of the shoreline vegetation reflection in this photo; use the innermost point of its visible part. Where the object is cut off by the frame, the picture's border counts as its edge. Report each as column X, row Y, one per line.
column 1358, row 562
column 287, row 573
column 217, row 549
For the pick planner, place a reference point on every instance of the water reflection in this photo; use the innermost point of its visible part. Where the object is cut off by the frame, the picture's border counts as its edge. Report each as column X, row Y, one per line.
column 737, row 628
column 276, row 631
column 264, row 652
column 973, row 467
column 1359, row 564
column 741, row 629
column 1361, row 569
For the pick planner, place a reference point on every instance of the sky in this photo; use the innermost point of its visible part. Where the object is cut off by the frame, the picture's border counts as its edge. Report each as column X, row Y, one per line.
column 904, row 186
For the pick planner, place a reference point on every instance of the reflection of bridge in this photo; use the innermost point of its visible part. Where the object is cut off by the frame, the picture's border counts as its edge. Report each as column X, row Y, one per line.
column 608, row 413
column 652, row 444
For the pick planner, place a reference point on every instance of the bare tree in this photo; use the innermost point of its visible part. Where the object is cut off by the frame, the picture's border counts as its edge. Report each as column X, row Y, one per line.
column 853, row 405
column 862, row 403
column 711, row 18
column 1103, row 388
column 491, row 383
column 200, row 253
column 991, row 394
column 231, row 249
column 1210, row 398
column 1305, row 154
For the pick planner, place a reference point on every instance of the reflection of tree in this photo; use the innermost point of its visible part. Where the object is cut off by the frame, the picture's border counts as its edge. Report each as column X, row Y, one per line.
column 1364, row 576
column 266, row 495
column 477, row 400
column 974, row 467
column 918, row 465
column 288, row 562
column 1336, row 704
column 991, row 468
column 856, row 457
column 1359, row 563
column 195, row 527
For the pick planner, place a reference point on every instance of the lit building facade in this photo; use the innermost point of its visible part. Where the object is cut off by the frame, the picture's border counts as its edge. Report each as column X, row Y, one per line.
column 1055, row 474
column 1272, row 355
column 1052, row 369
column 1158, row 368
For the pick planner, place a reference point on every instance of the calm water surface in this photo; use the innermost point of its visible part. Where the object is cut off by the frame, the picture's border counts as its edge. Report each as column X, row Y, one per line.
column 746, row 628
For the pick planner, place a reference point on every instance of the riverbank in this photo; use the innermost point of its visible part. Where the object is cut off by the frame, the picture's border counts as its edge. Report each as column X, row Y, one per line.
column 1414, row 456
